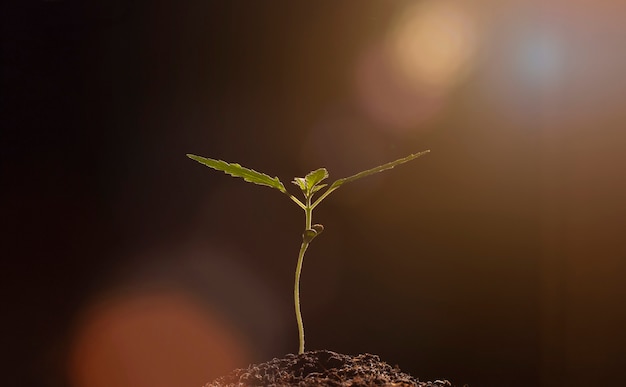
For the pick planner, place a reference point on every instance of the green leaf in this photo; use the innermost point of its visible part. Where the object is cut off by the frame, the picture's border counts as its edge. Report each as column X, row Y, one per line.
column 237, row 170
column 310, row 183
column 318, row 187
column 308, row 235
column 377, row 169
column 372, row 171
column 318, row 228
column 300, row 182
column 312, row 232
column 314, row 177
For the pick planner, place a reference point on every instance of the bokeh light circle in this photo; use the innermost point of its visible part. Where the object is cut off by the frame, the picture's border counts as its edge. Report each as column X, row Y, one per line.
column 152, row 339
column 432, row 44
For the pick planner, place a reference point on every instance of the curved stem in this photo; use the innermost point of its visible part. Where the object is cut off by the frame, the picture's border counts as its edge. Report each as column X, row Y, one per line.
column 308, row 212
column 296, row 296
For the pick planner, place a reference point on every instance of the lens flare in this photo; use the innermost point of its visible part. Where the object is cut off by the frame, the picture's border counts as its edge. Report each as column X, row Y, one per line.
column 432, row 44
column 403, row 82
column 387, row 99
column 152, row 339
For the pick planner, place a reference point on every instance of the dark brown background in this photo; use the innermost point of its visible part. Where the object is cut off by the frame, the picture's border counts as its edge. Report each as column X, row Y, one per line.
column 497, row 260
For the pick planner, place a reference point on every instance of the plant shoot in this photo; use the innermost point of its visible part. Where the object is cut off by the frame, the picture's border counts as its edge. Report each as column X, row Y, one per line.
column 310, row 185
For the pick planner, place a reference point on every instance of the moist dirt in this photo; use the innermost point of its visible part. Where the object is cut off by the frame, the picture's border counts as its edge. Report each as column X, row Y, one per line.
column 323, row 368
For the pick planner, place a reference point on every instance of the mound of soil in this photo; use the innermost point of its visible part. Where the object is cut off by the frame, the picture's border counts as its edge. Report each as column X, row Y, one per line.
column 322, row 368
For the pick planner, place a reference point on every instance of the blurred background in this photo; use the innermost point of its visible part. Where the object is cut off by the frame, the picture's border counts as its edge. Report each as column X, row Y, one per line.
column 496, row 260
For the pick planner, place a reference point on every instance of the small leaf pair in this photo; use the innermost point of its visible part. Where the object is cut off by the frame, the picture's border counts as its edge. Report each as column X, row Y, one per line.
column 310, row 183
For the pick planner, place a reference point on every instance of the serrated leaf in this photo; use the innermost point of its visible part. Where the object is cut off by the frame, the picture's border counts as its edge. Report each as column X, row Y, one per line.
column 314, row 177
column 310, row 183
column 300, row 182
column 317, row 188
column 337, row 183
column 237, row 170
column 377, row 169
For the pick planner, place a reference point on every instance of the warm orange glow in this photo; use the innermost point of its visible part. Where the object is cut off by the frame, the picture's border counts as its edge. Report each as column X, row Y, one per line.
column 387, row 98
column 432, row 43
column 404, row 81
column 152, row 340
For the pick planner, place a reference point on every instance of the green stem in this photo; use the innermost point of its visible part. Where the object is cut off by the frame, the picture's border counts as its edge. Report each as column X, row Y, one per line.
column 298, row 202
column 308, row 214
column 296, row 296
column 326, row 193
column 308, row 220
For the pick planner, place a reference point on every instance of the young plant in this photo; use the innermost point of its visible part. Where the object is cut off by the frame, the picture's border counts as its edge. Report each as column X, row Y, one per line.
column 310, row 185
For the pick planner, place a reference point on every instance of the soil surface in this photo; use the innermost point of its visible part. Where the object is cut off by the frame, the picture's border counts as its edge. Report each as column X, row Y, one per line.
column 323, row 368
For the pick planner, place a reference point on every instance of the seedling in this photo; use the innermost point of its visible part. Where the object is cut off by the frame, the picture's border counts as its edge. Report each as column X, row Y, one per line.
column 309, row 185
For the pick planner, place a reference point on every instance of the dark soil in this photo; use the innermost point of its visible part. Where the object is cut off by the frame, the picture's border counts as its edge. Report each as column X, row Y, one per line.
column 322, row 368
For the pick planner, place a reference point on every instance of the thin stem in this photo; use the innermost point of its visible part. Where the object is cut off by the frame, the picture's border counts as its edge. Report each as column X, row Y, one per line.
column 296, row 296
column 326, row 193
column 308, row 212
column 298, row 202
